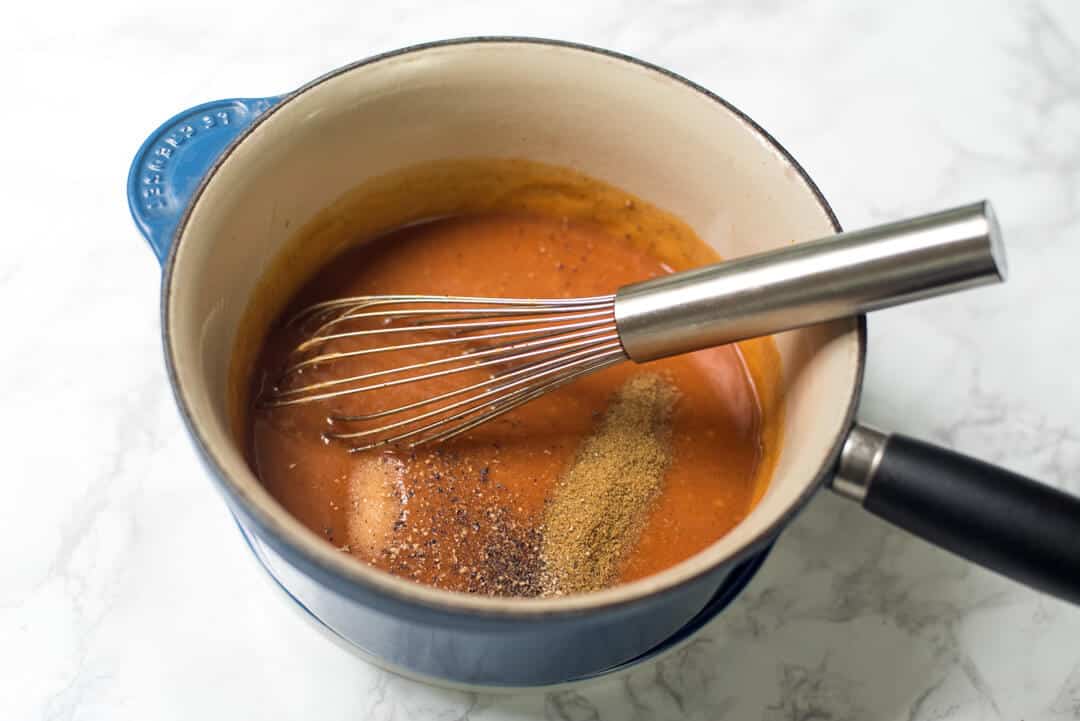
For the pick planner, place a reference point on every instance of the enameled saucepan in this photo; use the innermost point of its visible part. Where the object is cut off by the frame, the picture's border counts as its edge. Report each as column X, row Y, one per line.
column 218, row 189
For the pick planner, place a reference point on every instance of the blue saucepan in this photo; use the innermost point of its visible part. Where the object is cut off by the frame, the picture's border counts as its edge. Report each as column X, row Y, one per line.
column 219, row 189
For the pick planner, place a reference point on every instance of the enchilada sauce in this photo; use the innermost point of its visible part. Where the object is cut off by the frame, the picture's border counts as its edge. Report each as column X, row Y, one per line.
column 471, row 514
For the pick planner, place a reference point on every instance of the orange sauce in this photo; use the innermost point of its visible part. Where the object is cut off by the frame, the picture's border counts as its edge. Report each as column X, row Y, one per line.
column 443, row 515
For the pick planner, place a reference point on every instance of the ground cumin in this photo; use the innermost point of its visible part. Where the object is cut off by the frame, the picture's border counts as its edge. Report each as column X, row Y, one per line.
column 601, row 503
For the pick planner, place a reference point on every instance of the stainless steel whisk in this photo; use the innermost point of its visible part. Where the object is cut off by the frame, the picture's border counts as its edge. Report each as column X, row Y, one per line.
column 529, row 347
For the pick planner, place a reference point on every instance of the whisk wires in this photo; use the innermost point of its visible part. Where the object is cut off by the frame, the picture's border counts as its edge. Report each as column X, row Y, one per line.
column 485, row 356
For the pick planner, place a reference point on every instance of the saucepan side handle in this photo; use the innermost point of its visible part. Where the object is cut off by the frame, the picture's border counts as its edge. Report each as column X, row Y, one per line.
column 999, row 519
column 174, row 159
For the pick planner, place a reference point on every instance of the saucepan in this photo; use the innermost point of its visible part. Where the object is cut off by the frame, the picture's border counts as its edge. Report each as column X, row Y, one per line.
column 219, row 189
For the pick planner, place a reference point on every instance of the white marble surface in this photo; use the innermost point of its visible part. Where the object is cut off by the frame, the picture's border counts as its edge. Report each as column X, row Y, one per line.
column 125, row 592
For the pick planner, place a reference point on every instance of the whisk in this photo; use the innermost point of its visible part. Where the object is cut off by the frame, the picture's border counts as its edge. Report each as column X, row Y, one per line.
column 509, row 351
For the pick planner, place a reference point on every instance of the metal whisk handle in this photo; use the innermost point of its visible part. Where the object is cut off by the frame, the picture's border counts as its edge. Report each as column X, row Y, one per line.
column 834, row 277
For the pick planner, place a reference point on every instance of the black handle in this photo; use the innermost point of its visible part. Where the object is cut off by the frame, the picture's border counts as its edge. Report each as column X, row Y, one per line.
column 999, row 519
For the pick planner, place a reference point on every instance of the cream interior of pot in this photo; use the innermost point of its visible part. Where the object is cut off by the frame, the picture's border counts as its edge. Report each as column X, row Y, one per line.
column 620, row 122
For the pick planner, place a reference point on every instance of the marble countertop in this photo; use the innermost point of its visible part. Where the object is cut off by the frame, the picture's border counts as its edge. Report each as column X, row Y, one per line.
column 125, row 592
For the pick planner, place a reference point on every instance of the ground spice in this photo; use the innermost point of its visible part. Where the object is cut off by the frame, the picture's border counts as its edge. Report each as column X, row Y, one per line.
column 463, row 533
column 601, row 503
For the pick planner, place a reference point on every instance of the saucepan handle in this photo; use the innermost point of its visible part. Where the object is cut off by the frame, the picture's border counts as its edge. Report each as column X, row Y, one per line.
column 999, row 519
column 176, row 157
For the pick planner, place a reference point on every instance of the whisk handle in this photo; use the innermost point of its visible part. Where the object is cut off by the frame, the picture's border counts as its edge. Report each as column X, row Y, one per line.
column 807, row 283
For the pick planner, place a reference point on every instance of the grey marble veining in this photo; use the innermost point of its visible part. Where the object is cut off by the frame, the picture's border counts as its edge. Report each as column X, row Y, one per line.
column 125, row 592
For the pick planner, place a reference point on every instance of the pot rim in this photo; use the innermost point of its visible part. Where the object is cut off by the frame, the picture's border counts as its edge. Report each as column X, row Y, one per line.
column 354, row 578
